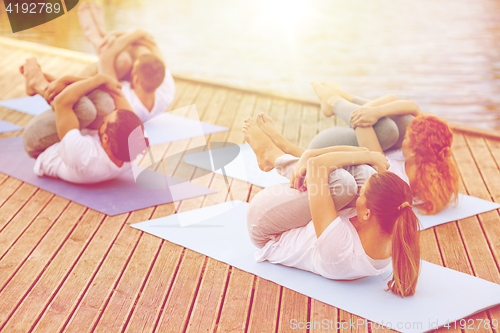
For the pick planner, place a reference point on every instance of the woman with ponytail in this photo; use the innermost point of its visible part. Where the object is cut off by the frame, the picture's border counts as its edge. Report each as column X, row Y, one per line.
column 388, row 200
column 340, row 244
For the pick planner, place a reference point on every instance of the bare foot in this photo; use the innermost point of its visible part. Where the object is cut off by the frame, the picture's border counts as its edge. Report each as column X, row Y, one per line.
column 338, row 90
column 34, row 78
column 89, row 27
column 324, row 93
column 98, row 15
column 263, row 147
column 267, row 126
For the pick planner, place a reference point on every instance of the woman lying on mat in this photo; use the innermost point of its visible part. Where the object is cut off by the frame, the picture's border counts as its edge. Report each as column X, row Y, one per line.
column 418, row 146
column 346, row 244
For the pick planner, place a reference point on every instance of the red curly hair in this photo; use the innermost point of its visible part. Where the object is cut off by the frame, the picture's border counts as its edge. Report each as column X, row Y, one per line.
column 436, row 173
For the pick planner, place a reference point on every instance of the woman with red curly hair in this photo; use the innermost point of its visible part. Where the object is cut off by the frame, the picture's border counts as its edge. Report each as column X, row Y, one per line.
column 417, row 146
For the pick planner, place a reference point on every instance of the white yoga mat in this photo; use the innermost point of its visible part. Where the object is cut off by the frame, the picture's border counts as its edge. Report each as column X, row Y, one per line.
column 443, row 295
column 169, row 127
column 243, row 167
column 467, row 206
column 8, row 127
column 33, row 105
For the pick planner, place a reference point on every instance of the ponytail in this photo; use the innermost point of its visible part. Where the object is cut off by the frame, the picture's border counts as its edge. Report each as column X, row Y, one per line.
column 405, row 253
column 388, row 197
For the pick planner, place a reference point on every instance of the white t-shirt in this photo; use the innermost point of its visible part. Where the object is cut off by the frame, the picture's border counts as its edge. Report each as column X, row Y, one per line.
column 78, row 158
column 164, row 96
column 337, row 254
column 397, row 164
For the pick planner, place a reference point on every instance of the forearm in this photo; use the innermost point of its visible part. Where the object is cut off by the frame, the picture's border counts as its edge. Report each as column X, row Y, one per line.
column 323, row 211
column 381, row 101
column 335, row 160
column 317, row 152
column 124, row 40
column 399, row 107
column 75, row 91
column 69, row 79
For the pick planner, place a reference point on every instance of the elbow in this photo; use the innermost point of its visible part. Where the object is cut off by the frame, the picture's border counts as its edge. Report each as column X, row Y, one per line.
column 416, row 109
column 62, row 101
column 391, row 98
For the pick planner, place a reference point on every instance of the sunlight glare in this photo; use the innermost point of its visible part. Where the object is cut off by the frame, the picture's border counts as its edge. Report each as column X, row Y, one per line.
column 285, row 12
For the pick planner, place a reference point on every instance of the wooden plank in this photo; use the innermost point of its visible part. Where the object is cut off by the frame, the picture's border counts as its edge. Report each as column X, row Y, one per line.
column 293, row 309
column 29, row 240
column 15, row 201
column 150, row 301
column 64, row 279
column 227, row 115
column 209, row 298
column 203, row 101
column 277, row 112
column 105, row 283
column 8, row 187
column 471, row 229
column 22, row 282
column 308, row 125
column 116, row 308
column 23, row 218
column 178, row 304
column 265, row 306
column 475, row 241
column 291, row 130
column 233, row 317
column 245, row 110
column 179, row 91
column 349, row 322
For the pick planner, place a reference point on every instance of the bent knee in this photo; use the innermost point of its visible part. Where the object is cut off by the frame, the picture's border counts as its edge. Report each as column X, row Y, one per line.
column 387, row 132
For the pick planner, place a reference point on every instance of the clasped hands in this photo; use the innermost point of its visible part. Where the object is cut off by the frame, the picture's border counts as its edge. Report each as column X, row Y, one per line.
column 299, row 173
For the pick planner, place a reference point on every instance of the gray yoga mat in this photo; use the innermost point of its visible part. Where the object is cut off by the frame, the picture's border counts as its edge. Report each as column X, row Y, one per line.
column 112, row 197
column 443, row 295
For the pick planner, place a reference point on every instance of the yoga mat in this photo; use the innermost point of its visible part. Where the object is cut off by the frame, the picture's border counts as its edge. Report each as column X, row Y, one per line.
column 443, row 295
column 467, row 206
column 243, row 167
column 112, row 197
column 169, row 127
column 8, row 127
column 33, row 105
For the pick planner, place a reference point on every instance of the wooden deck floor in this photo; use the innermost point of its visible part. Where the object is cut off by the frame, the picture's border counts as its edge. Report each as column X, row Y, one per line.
column 64, row 267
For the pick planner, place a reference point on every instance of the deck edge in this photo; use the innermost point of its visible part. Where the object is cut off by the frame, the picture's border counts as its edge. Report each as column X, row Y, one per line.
column 89, row 58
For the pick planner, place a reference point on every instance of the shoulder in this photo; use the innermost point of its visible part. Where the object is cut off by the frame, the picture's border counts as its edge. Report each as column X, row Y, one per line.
column 76, row 146
column 395, row 155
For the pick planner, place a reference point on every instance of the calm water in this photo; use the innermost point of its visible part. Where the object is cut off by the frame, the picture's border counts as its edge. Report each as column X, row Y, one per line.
column 444, row 55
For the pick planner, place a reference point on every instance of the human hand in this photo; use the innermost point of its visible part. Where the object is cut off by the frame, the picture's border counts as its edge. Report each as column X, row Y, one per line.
column 364, row 117
column 53, row 89
column 297, row 178
column 379, row 161
column 110, row 85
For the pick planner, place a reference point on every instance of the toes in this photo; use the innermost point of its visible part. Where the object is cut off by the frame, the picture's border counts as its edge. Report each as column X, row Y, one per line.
column 259, row 119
